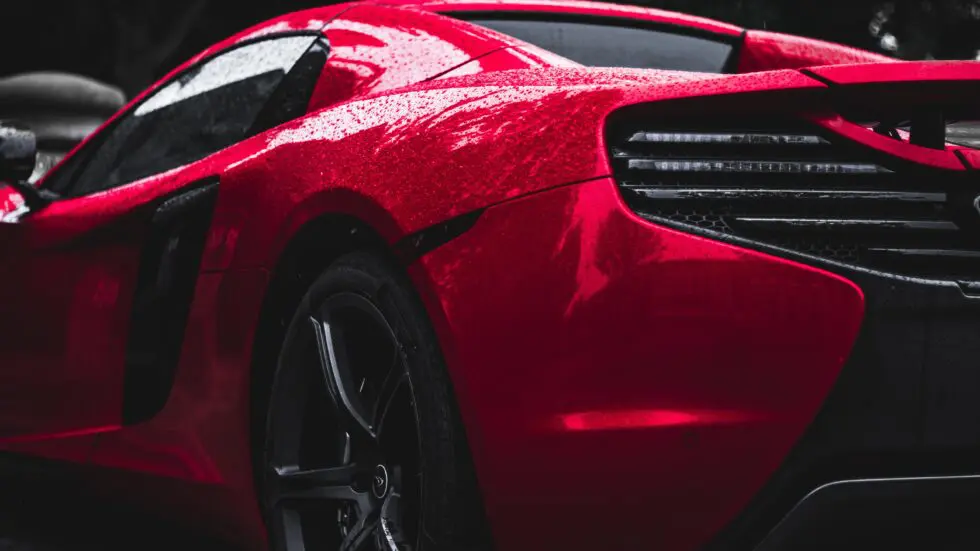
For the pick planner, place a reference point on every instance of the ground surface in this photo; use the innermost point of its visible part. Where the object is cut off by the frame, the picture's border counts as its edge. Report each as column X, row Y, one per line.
column 49, row 518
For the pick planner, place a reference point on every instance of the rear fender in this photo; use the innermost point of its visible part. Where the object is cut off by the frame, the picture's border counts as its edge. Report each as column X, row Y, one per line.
column 419, row 156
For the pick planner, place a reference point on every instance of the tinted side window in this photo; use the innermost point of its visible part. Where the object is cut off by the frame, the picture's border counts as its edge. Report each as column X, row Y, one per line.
column 292, row 99
column 204, row 110
column 607, row 45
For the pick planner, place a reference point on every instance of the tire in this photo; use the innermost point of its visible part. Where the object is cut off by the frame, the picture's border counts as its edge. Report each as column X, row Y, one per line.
column 359, row 308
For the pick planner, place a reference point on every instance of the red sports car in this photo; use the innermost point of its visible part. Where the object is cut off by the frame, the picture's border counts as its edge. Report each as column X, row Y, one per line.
column 520, row 274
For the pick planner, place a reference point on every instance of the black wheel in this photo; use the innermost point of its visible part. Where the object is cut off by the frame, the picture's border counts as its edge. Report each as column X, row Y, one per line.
column 364, row 447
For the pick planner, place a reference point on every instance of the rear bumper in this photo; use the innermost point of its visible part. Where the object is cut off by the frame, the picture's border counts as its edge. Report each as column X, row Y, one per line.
column 629, row 386
column 626, row 385
column 906, row 405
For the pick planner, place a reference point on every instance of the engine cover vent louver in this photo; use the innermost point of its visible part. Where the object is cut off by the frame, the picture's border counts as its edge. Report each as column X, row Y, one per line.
column 791, row 187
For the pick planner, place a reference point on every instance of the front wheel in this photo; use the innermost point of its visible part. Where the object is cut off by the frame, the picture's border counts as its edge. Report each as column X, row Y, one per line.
column 364, row 447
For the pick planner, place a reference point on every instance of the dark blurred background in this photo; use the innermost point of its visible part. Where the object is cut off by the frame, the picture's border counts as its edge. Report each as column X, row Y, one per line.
column 130, row 43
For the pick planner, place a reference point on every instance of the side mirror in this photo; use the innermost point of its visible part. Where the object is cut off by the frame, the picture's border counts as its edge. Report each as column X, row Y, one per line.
column 18, row 153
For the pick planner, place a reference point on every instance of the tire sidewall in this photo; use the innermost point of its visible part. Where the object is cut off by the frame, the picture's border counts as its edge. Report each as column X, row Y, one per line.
column 446, row 515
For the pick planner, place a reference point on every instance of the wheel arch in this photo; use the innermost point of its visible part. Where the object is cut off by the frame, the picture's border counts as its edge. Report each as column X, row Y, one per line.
column 316, row 244
column 311, row 248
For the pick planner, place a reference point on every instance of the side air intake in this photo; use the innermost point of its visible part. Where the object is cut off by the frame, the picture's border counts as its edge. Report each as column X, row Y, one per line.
column 793, row 187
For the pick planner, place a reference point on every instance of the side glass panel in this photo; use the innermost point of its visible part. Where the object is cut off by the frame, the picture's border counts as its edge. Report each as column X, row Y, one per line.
column 608, row 45
column 292, row 99
column 204, row 110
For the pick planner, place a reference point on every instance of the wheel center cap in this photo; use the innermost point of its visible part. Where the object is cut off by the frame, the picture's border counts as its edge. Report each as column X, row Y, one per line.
column 380, row 483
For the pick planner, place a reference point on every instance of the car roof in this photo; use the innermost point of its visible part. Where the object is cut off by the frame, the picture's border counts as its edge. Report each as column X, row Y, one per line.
column 315, row 20
column 577, row 7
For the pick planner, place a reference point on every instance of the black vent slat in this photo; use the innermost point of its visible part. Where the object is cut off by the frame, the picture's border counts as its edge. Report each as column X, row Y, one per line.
column 735, row 194
column 752, row 166
column 843, row 224
column 727, row 138
column 952, row 253
column 802, row 190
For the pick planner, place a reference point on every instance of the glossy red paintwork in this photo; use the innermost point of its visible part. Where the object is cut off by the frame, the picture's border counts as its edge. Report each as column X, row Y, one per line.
column 513, row 57
column 202, row 435
column 945, row 159
column 62, row 365
column 311, row 20
column 552, row 135
column 601, row 361
column 919, row 72
column 695, row 365
column 971, row 157
column 63, row 370
column 10, row 200
column 766, row 50
column 373, row 49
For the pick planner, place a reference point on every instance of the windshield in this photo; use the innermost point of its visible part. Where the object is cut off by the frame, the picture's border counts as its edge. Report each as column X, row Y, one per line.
column 599, row 44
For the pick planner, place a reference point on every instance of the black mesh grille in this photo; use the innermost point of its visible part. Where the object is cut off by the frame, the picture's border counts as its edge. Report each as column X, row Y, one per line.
column 793, row 187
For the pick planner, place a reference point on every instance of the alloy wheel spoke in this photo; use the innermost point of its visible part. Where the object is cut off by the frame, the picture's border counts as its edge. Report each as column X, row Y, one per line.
column 362, row 366
column 361, row 535
column 394, row 379
column 334, row 483
column 287, row 531
column 335, row 366
column 392, row 538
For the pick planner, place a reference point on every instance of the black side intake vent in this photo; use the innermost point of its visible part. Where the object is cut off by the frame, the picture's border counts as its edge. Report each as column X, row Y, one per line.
column 169, row 270
column 793, row 187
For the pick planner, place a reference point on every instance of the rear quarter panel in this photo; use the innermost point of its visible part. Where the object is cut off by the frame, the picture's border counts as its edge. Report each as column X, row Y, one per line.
column 624, row 385
column 410, row 158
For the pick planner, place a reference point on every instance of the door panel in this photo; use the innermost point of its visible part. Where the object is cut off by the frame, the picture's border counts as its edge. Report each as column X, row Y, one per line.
column 67, row 287
column 95, row 289
column 79, row 281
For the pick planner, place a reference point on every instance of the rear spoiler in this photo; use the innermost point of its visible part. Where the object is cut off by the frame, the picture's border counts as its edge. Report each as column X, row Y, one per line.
column 922, row 96
column 904, row 108
column 925, row 73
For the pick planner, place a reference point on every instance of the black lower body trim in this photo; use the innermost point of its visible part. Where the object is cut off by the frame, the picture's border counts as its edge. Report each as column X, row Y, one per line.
column 895, row 514
column 906, row 404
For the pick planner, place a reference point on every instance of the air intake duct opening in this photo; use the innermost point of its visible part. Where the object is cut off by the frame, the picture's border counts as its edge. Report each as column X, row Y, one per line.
column 796, row 186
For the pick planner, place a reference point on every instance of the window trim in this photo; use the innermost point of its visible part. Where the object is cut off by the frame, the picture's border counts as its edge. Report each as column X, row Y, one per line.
column 320, row 43
column 98, row 140
column 729, row 67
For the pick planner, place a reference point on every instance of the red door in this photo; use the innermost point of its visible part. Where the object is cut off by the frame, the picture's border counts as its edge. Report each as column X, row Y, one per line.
column 96, row 288
column 91, row 291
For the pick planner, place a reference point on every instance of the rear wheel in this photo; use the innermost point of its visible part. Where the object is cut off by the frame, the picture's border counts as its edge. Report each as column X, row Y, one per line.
column 364, row 449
